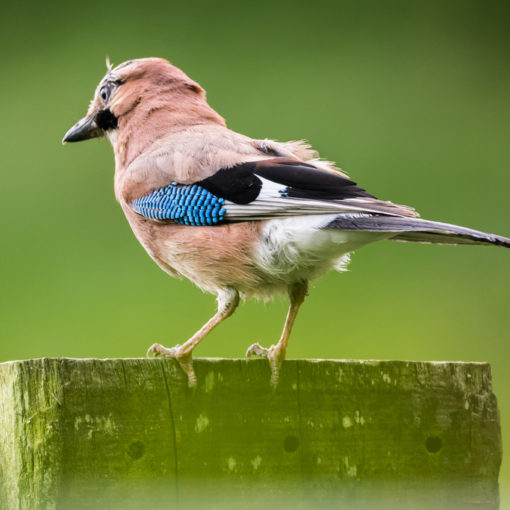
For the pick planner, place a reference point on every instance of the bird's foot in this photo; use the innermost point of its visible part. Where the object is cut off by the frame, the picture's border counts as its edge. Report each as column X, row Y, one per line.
column 178, row 353
column 274, row 354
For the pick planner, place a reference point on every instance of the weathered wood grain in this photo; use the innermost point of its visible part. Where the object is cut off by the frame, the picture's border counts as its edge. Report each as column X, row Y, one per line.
column 129, row 433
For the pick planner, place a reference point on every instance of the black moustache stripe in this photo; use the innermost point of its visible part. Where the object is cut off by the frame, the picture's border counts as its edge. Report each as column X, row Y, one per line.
column 106, row 120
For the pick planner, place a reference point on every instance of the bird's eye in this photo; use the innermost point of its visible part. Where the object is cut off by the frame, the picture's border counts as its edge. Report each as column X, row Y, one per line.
column 105, row 93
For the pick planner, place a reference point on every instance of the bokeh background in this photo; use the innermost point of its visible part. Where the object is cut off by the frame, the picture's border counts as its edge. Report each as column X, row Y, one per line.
column 411, row 98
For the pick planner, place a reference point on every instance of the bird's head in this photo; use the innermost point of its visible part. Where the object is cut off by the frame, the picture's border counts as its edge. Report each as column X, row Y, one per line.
column 135, row 90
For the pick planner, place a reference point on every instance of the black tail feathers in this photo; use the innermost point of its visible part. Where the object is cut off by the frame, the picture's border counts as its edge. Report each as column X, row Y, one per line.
column 416, row 230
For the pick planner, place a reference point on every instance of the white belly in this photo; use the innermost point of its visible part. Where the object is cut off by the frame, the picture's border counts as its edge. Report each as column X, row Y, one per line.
column 297, row 248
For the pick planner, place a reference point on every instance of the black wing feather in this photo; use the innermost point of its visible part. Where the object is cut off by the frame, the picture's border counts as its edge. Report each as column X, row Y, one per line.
column 241, row 184
column 238, row 184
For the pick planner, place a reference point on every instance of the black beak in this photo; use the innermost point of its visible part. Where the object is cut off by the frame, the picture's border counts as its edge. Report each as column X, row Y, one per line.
column 83, row 130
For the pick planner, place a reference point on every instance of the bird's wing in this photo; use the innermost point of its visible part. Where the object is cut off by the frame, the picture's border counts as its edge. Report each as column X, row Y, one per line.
column 259, row 190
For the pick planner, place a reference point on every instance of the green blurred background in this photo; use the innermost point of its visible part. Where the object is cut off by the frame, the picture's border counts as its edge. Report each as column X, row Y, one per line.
column 412, row 99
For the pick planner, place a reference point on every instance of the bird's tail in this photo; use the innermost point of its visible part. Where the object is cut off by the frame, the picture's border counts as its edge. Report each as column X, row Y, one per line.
column 415, row 230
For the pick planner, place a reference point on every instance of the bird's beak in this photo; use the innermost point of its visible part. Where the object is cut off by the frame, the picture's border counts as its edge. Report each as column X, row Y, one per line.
column 83, row 130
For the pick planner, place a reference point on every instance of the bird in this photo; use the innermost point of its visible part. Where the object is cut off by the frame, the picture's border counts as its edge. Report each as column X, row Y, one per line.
column 240, row 217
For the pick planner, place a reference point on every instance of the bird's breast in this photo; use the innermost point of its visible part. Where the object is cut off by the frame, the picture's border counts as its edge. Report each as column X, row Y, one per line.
column 213, row 257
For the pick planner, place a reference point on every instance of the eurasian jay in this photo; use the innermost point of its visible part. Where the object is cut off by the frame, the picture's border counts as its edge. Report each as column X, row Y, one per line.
column 239, row 217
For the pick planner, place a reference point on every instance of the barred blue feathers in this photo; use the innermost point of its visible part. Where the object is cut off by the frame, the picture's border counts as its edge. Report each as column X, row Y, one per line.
column 184, row 204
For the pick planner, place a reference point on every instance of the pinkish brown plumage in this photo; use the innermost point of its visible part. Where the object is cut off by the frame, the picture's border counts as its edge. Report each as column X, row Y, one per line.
column 239, row 217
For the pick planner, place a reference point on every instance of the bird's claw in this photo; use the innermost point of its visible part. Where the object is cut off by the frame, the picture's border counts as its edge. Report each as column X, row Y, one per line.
column 273, row 354
column 159, row 350
column 257, row 350
column 183, row 358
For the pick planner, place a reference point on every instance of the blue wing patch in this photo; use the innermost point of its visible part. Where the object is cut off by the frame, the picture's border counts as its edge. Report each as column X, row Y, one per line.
column 184, row 204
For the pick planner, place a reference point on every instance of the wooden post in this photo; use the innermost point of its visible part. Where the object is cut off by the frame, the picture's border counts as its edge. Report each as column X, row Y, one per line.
column 129, row 434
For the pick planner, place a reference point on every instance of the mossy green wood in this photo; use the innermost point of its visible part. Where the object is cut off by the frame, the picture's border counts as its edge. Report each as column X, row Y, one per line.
column 129, row 433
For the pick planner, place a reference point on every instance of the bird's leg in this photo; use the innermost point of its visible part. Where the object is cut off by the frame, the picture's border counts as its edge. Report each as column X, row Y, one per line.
column 228, row 299
column 276, row 353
